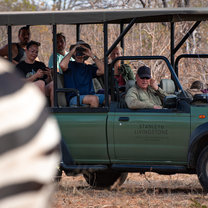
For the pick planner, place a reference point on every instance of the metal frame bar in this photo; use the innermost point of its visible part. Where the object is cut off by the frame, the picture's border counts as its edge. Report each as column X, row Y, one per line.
column 188, row 56
column 105, row 30
column 55, row 65
column 121, row 31
column 172, row 41
column 121, row 36
column 9, row 32
column 186, row 36
column 122, row 40
column 173, row 74
column 174, row 49
column 77, row 32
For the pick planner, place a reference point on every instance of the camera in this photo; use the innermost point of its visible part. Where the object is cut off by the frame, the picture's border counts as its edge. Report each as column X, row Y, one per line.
column 79, row 51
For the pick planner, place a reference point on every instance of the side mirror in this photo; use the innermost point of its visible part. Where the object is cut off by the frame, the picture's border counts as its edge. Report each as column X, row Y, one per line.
column 170, row 101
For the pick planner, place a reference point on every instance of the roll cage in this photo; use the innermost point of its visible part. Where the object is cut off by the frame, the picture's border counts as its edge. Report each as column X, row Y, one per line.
column 105, row 17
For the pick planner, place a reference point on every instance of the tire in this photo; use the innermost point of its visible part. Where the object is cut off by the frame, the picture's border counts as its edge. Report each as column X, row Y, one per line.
column 202, row 168
column 105, row 179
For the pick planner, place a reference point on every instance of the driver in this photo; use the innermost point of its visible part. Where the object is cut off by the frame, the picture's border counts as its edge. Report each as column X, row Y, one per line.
column 145, row 93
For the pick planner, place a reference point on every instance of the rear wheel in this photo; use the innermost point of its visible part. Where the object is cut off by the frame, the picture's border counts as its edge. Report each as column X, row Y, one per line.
column 105, row 179
column 202, row 169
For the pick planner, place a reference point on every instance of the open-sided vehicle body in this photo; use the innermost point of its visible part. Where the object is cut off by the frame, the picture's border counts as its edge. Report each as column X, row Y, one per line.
column 108, row 142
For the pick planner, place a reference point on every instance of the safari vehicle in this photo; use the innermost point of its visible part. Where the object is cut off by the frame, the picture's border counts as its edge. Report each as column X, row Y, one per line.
column 109, row 141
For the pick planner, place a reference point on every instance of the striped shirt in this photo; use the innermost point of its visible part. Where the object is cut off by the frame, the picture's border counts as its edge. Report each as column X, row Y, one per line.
column 29, row 139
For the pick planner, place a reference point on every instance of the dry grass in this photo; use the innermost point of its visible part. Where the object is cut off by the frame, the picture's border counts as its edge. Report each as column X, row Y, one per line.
column 149, row 190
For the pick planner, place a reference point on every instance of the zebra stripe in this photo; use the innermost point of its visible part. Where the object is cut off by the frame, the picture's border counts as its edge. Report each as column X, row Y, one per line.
column 10, row 78
column 22, row 136
column 13, row 189
column 29, row 143
column 20, row 109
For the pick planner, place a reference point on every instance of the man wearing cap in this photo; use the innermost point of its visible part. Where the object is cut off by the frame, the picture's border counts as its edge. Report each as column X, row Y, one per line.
column 145, row 93
column 78, row 75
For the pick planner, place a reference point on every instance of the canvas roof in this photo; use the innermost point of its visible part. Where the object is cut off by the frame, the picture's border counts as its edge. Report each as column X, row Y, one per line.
column 101, row 16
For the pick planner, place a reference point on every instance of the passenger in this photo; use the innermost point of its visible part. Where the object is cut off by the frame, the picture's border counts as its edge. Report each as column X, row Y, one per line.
column 18, row 49
column 61, row 52
column 145, row 93
column 122, row 72
column 196, row 88
column 79, row 75
column 36, row 71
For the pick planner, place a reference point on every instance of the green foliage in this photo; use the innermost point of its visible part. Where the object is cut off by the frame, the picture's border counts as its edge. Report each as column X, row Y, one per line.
column 15, row 5
column 196, row 204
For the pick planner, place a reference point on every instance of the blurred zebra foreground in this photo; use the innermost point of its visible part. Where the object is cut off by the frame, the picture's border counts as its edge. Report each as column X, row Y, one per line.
column 29, row 143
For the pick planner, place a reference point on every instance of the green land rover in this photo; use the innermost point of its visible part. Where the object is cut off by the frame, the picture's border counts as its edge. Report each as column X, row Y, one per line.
column 107, row 142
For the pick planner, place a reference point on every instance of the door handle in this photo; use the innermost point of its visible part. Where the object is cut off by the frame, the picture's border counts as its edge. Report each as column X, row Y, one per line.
column 123, row 119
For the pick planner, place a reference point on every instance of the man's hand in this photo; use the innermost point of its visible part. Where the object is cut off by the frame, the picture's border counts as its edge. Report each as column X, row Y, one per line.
column 157, row 107
column 87, row 51
column 153, row 84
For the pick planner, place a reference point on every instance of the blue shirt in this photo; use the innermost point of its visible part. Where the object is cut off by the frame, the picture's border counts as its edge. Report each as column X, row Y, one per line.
column 79, row 76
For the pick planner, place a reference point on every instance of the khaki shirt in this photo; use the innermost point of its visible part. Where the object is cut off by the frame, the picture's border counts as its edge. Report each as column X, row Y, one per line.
column 138, row 98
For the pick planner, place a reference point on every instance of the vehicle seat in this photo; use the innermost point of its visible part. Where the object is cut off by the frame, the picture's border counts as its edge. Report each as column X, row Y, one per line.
column 61, row 95
column 62, row 102
column 97, row 85
column 168, row 86
column 129, row 84
column 122, row 102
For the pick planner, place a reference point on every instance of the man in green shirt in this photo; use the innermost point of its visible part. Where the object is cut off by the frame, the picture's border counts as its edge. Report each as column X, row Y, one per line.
column 145, row 93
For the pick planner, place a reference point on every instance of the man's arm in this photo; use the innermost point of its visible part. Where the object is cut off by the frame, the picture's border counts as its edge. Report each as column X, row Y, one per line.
column 65, row 61
column 161, row 93
column 4, row 51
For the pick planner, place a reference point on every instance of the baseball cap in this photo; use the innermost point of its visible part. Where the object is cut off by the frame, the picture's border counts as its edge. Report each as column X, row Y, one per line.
column 144, row 72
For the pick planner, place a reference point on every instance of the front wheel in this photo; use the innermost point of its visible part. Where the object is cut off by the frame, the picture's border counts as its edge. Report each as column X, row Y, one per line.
column 202, row 168
column 58, row 175
column 105, row 179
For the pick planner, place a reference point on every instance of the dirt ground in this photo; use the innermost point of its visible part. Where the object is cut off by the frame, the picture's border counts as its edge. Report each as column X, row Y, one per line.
column 149, row 190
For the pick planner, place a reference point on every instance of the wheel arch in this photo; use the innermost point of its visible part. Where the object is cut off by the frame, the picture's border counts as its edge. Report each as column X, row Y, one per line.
column 198, row 141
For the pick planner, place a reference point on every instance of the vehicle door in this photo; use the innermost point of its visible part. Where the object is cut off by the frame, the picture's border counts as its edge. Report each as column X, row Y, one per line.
column 85, row 135
column 149, row 135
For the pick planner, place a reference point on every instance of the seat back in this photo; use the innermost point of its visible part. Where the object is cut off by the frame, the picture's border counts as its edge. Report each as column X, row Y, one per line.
column 61, row 95
column 62, row 102
column 96, row 84
column 129, row 84
column 168, row 86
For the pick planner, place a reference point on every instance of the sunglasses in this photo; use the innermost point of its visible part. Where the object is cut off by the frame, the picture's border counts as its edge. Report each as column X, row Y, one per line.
column 144, row 78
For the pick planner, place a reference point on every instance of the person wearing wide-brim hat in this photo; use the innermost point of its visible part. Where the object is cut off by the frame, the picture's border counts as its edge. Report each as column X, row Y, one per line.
column 79, row 75
column 145, row 93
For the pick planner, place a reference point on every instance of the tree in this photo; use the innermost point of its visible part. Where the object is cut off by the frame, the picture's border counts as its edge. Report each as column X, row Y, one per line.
column 15, row 5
